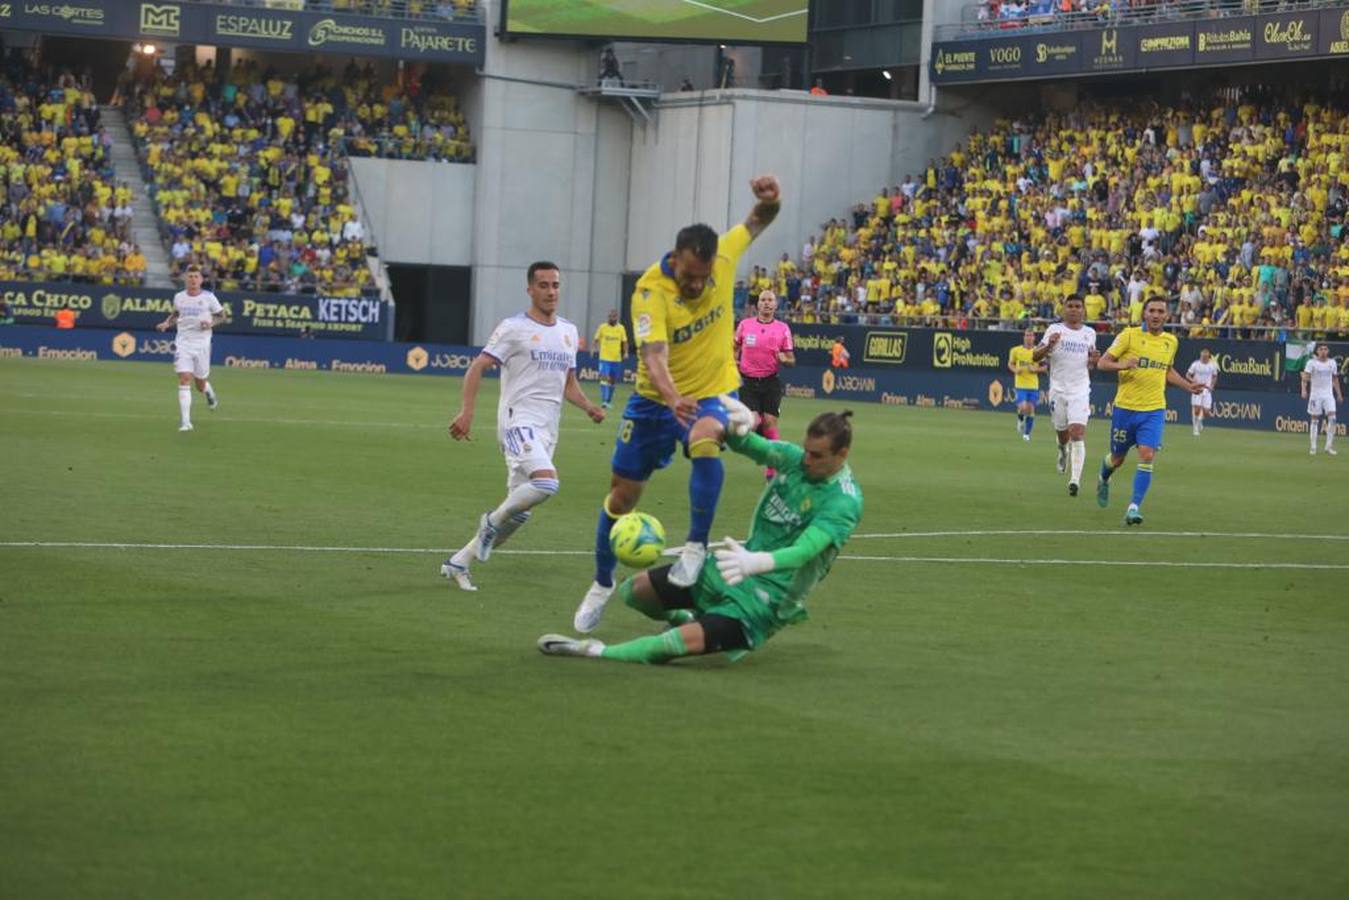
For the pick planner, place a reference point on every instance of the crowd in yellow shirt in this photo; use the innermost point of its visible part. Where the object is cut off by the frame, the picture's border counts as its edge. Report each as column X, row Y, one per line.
column 1233, row 210
column 250, row 172
column 64, row 215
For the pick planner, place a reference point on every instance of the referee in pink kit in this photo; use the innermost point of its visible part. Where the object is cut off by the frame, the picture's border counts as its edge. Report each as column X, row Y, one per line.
column 763, row 344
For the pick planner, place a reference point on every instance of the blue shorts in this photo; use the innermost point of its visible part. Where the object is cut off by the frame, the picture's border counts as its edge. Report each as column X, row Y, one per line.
column 612, row 370
column 649, row 433
column 1129, row 427
column 1027, row 395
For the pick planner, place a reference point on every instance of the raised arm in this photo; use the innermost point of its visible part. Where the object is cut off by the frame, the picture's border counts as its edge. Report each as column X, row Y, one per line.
column 462, row 423
column 767, row 192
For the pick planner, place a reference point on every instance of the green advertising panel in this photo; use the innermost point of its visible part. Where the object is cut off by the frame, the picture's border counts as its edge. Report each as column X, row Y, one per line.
column 720, row 21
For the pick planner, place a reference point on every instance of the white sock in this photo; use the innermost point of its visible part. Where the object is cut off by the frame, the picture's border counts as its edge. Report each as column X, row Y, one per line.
column 1315, row 423
column 209, row 392
column 1077, row 453
column 526, row 496
column 1330, row 431
column 466, row 554
column 185, row 403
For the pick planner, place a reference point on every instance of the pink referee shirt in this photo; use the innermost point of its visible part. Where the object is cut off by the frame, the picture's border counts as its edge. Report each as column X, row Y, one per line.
column 760, row 343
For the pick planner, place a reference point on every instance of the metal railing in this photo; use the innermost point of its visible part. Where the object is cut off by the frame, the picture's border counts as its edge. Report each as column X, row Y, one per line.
column 1113, row 13
column 468, row 11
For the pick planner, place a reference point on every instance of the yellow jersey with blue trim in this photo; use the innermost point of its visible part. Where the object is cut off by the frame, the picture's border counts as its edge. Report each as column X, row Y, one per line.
column 610, row 340
column 700, row 334
column 1027, row 379
column 1143, row 389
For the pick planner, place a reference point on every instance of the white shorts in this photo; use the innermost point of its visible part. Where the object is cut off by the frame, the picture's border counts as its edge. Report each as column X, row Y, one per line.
column 194, row 358
column 527, row 448
column 1203, row 400
column 1321, row 406
column 1069, row 409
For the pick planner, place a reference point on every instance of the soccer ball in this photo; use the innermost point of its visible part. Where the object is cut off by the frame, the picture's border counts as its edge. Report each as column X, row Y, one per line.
column 637, row 539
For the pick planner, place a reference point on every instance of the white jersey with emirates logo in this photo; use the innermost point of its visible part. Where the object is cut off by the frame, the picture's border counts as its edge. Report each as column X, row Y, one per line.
column 535, row 360
column 1068, row 372
column 193, row 310
column 1201, row 372
column 1322, row 376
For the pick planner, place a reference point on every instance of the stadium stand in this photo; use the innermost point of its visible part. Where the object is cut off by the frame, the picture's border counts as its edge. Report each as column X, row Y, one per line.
column 65, row 215
column 395, row 9
column 1232, row 208
column 250, row 174
column 996, row 16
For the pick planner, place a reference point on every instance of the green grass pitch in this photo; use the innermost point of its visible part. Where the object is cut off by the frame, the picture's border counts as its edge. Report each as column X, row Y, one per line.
column 296, row 723
column 750, row 21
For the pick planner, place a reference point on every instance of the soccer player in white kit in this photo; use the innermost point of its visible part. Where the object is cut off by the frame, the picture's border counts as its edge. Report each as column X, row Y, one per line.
column 1321, row 388
column 1202, row 371
column 536, row 351
column 1071, row 348
column 195, row 312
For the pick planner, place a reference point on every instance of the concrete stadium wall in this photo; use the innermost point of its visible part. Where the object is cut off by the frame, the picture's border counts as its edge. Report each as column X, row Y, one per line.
column 420, row 212
column 552, row 181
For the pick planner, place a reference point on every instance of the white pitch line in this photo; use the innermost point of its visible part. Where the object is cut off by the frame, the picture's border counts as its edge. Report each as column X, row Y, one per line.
column 747, row 18
column 1244, row 535
column 1145, row 563
column 248, row 420
column 301, row 548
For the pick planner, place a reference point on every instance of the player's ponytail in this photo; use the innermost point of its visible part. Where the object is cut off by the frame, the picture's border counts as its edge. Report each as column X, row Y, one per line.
column 835, row 426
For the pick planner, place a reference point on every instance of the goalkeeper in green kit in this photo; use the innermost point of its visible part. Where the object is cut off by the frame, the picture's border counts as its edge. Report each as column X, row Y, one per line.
column 804, row 517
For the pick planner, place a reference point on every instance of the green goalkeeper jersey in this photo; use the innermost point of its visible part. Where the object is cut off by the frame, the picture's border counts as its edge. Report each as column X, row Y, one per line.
column 789, row 507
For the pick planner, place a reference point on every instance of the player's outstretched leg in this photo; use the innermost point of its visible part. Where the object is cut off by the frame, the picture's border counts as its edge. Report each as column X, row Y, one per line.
column 651, row 650
column 538, row 489
column 1077, row 458
column 1142, row 481
column 1312, row 431
column 1061, row 465
column 705, row 483
column 622, row 498
column 185, row 407
column 456, row 567
column 1108, row 467
column 212, row 401
column 1330, row 436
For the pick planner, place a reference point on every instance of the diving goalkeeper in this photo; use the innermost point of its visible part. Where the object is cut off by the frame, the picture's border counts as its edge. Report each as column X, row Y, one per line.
column 804, row 517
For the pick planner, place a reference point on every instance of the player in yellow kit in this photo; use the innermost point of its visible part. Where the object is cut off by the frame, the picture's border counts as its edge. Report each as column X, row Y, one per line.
column 611, row 342
column 1021, row 363
column 683, row 324
column 1144, row 358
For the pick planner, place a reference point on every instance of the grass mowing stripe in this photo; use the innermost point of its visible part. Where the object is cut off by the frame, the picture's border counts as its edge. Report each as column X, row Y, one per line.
column 984, row 560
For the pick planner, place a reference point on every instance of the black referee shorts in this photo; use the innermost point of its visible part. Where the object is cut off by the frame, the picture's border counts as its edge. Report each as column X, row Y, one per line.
column 763, row 395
